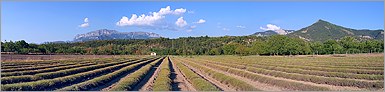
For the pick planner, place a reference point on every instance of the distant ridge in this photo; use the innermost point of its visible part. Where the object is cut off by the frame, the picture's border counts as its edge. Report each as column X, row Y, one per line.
column 105, row 34
column 323, row 30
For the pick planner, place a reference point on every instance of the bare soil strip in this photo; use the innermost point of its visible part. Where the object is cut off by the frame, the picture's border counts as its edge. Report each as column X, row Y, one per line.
column 211, row 80
column 147, row 77
column 149, row 84
column 179, row 81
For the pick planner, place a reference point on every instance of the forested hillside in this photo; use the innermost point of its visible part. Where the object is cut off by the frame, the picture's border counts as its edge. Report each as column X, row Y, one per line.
column 227, row 45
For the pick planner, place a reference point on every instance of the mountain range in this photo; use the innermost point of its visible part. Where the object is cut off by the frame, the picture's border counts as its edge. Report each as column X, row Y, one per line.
column 323, row 30
column 105, row 34
column 318, row 31
column 271, row 32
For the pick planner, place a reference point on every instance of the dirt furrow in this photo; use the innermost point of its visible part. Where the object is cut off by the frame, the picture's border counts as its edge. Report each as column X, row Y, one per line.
column 148, row 76
column 149, row 84
column 179, row 81
column 111, row 84
column 212, row 80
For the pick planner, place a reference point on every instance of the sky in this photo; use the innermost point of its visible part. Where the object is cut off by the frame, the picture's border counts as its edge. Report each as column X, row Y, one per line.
column 38, row 22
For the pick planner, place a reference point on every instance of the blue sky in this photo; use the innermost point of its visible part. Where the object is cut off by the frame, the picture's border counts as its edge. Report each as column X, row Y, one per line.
column 39, row 22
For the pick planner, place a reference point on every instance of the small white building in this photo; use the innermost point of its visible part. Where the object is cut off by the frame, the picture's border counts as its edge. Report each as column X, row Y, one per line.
column 153, row 54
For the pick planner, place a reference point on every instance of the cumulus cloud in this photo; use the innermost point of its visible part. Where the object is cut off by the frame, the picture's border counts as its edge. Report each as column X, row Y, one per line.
column 180, row 22
column 200, row 21
column 85, row 24
column 274, row 28
column 151, row 19
column 243, row 27
column 179, row 11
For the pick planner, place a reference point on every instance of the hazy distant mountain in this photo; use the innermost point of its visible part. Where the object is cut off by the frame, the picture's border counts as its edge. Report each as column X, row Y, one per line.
column 105, row 34
column 270, row 32
column 323, row 30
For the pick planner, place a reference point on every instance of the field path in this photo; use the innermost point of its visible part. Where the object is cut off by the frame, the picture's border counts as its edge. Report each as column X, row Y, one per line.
column 212, row 80
column 147, row 76
column 179, row 81
column 149, row 84
column 111, row 84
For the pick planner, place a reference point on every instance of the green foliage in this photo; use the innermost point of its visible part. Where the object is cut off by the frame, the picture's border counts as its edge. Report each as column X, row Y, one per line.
column 229, row 49
column 162, row 81
column 227, row 45
column 323, row 30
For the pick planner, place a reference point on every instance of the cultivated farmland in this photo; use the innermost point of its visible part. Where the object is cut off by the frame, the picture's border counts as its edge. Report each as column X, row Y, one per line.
column 197, row 73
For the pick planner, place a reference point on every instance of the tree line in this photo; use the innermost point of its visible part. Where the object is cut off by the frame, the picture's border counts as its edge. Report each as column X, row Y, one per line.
column 204, row 45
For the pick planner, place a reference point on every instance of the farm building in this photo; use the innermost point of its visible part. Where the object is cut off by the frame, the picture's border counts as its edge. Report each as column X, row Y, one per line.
column 153, row 54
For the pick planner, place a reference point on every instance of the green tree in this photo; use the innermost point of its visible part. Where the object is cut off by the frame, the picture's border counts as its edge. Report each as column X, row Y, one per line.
column 332, row 47
column 241, row 50
column 259, row 47
column 229, row 49
column 9, row 46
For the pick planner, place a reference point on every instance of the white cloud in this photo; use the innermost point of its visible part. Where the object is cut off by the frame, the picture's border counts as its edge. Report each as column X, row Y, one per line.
column 85, row 24
column 191, row 12
column 179, row 11
column 149, row 20
column 201, row 21
column 86, row 20
column 181, row 22
column 274, row 28
column 191, row 28
column 225, row 29
column 243, row 27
